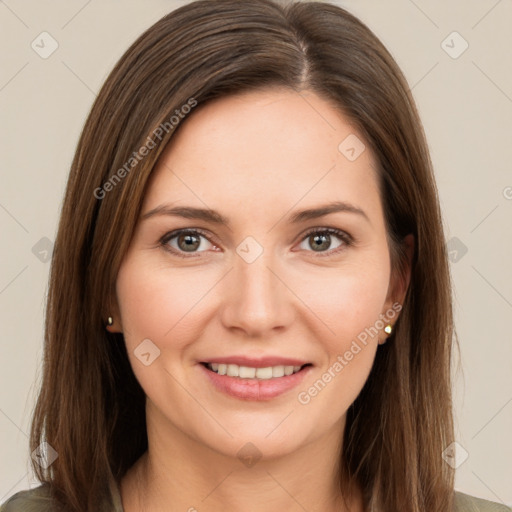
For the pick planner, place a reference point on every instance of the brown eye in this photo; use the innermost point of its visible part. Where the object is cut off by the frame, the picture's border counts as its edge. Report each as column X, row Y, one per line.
column 321, row 241
column 185, row 241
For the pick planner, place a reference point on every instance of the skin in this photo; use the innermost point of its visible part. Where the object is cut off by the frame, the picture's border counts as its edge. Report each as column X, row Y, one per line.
column 256, row 158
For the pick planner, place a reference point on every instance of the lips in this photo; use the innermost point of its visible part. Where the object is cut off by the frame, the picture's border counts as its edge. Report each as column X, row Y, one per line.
column 286, row 374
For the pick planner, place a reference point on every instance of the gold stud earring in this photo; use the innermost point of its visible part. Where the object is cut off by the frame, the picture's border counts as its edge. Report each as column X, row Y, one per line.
column 388, row 329
column 110, row 320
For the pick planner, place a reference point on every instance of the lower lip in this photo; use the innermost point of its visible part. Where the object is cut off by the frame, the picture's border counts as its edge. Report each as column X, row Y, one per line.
column 255, row 389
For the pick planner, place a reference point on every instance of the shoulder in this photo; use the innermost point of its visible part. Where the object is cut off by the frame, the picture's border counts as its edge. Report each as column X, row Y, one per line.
column 467, row 503
column 37, row 499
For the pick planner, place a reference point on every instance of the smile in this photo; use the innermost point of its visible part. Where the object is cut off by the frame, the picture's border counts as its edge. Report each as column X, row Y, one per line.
column 251, row 383
column 248, row 372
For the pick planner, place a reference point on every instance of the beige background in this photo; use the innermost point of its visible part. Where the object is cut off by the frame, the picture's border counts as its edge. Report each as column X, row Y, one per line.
column 466, row 107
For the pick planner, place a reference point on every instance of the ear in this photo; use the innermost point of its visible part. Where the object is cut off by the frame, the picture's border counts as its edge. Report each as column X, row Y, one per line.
column 400, row 278
column 113, row 312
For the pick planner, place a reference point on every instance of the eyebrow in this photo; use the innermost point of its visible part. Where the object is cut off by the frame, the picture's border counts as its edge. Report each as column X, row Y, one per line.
column 209, row 215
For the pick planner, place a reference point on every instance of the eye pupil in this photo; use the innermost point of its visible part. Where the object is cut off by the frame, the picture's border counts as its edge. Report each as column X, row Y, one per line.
column 319, row 240
column 191, row 242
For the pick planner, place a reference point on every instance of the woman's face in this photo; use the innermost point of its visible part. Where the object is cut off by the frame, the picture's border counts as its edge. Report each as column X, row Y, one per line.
column 268, row 283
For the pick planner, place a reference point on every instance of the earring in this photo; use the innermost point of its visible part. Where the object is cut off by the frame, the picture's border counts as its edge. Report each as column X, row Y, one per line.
column 110, row 320
column 388, row 329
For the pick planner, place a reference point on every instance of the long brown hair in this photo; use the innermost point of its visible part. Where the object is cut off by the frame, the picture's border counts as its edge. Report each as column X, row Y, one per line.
column 90, row 408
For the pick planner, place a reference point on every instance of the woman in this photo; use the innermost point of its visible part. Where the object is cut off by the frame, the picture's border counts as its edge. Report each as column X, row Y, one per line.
column 241, row 303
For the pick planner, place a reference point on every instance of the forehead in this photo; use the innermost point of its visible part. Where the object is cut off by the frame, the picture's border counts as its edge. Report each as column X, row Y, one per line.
column 273, row 146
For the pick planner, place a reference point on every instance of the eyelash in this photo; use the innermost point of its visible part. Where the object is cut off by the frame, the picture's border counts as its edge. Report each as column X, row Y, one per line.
column 342, row 235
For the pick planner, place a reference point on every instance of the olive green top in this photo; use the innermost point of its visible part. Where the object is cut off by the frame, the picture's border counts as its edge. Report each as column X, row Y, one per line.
column 38, row 500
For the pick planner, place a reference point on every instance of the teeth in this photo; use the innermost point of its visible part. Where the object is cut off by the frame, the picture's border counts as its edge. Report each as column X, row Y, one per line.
column 244, row 372
column 247, row 372
column 278, row 371
column 264, row 373
column 232, row 370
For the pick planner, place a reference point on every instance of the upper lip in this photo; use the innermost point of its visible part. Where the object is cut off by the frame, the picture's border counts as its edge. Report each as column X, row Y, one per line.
column 260, row 362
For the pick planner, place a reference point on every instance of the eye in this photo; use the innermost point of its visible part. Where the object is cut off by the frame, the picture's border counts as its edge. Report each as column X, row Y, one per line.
column 320, row 239
column 185, row 241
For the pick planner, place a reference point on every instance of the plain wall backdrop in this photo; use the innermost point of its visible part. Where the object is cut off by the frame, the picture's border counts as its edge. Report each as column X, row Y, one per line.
column 457, row 58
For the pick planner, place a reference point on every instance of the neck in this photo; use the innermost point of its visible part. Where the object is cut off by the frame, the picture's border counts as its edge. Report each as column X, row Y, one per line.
column 178, row 473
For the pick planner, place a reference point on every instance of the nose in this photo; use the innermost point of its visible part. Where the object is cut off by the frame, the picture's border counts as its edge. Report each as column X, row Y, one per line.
column 257, row 299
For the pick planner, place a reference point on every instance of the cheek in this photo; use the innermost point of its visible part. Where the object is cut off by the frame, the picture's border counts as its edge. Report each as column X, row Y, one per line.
column 155, row 303
column 350, row 306
column 161, row 306
column 347, row 300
